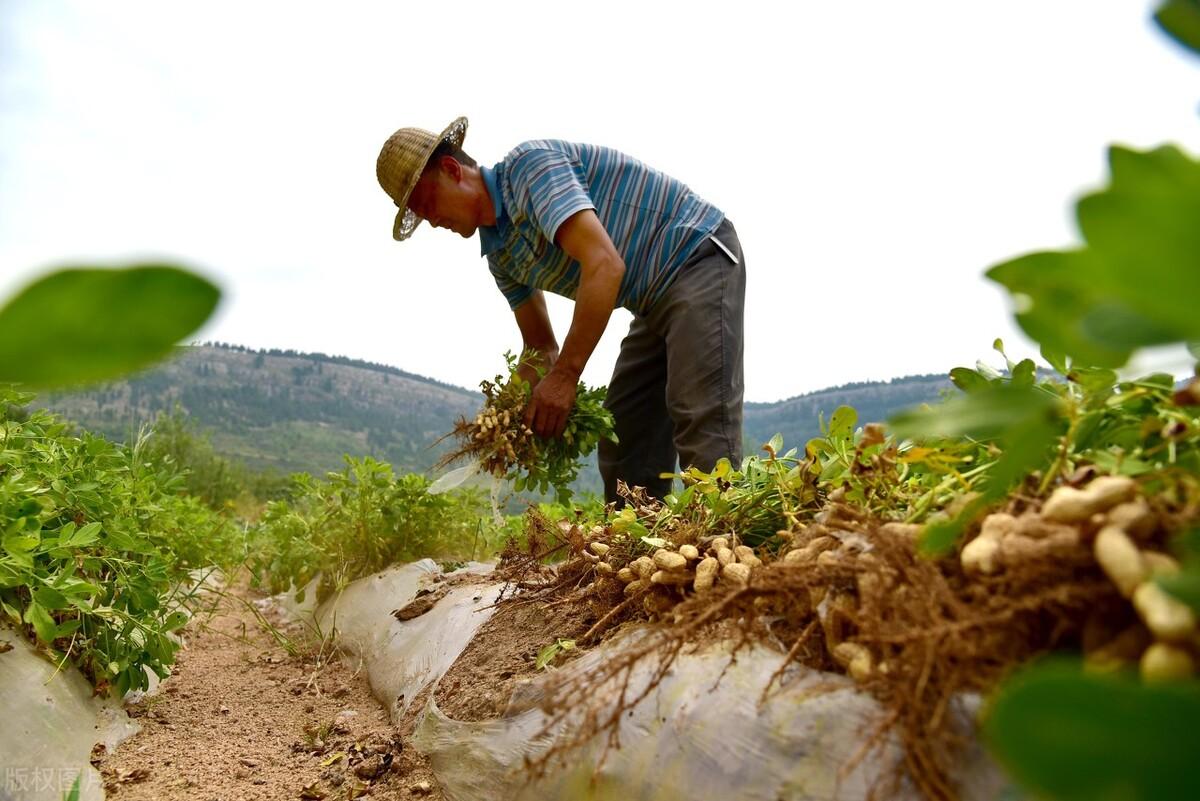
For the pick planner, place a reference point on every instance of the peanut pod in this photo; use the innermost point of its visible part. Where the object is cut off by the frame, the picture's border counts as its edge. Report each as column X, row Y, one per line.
column 736, row 573
column 856, row 658
column 1120, row 559
column 671, row 577
column 643, row 566
column 1168, row 618
column 669, row 560
column 1164, row 662
column 1134, row 517
column 981, row 555
column 1071, row 505
column 706, row 574
column 1016, row 549
column 746, row 556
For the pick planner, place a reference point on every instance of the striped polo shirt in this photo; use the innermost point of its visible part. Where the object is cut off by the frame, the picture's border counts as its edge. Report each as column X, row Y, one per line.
column 654, row 221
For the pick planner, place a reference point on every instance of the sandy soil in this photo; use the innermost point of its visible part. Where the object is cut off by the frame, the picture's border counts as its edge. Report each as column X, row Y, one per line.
column 240, row 718
column 503, row 652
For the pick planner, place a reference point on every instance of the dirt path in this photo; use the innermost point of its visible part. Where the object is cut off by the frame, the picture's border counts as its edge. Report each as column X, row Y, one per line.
column 240, row 718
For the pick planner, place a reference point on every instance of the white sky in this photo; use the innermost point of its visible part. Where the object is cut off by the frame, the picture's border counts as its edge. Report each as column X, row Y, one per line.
column 875, row 156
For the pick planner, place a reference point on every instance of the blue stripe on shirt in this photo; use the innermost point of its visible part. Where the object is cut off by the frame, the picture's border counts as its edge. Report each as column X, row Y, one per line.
column 654, row 221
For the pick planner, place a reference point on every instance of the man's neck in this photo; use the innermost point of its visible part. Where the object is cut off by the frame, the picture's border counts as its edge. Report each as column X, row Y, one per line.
column 486, row 207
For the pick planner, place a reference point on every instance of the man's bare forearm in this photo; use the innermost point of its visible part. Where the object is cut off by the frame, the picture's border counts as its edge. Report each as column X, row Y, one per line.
column 536, row 335
column 594, row 303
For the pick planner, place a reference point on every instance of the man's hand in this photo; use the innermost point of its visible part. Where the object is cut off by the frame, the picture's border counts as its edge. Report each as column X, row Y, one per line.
column 551, row 402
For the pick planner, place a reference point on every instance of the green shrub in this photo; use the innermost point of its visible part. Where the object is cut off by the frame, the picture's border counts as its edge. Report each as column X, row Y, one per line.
column 360, row 521
column 96, row 545
column 176, row 443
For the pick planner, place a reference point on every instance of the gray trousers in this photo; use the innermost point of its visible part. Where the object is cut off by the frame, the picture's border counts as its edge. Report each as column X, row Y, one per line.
column 676, row 391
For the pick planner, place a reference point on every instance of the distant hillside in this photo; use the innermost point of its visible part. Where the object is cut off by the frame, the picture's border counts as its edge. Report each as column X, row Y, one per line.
column 295, row 412
column 282, row 409
column 797, row 419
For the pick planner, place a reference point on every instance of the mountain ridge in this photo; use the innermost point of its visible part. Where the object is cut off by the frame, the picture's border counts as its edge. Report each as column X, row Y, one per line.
column 290, row 411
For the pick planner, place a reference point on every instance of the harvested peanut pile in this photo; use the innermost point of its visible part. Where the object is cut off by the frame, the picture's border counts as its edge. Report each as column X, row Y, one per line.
column 240, row 718
column 500, row 442
column 851, row 593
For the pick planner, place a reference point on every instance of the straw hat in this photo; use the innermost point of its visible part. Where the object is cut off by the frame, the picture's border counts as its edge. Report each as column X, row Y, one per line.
column 400, row 163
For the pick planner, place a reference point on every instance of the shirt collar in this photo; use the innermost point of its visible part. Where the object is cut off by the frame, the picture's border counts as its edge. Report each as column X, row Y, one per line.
column 491, row 237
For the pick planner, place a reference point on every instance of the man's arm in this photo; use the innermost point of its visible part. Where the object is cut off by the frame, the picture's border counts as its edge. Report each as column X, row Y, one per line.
column 536, row 334
column 584, row 239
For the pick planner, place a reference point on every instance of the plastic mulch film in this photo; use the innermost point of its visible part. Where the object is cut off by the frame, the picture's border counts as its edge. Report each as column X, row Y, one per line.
column 404, row 657
column 51, row 722
column 692, row 737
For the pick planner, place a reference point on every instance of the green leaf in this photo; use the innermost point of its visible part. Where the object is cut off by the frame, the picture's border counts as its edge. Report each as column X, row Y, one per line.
column 1132, row 284
column 1024, row 372
column 968, row 380
column 1052, row 299
column 73, row 795
column 41, row 621
column 1022, row 420
column 67, row 627
column 939, row 536
column 1180, row 19
column 84, row 536
column 547, row 655
column 17, row 544
column 1055, row 359
column 50, row 598
column 1025, row 447
column 841, row 424
column 1143, row 228
column 685, row 497
column 176, row 620
column 1087, row 428
column 1093, row 379
column 1073, row 736
column 83, row 324
column 77, row 588
column 1184, row 585
column 985, row 414
column 1118, row 326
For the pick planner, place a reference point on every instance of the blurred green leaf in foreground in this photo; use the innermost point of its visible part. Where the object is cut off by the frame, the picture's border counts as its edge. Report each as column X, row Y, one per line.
column 1069, row 735
column 1181, row 20
column 78, row 325
column 1135, row 282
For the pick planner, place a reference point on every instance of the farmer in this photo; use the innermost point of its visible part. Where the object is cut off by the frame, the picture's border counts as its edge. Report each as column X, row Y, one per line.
column 605, row 230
